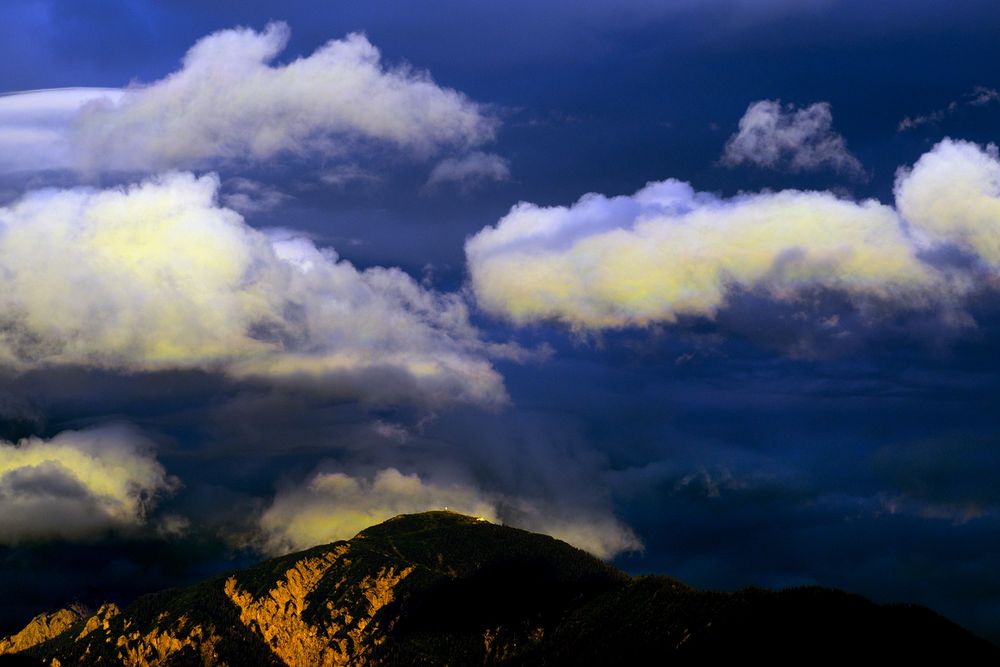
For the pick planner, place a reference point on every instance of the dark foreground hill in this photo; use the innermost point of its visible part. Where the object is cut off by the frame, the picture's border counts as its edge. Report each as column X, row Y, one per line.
column 441, row 588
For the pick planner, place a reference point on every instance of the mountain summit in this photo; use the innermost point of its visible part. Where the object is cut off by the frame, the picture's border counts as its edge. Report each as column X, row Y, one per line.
column 443, row 588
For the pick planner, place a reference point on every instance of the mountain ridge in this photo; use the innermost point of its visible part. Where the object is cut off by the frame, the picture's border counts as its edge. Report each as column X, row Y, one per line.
column 440, row 587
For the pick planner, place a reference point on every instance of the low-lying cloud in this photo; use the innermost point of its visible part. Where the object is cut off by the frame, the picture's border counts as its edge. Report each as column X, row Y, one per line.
column 669, row 251
column 78, row 484
column 159, row 276
column 336, row 506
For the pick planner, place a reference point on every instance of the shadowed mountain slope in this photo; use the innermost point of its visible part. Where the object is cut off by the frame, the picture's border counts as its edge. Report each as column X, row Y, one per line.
column 442, row 588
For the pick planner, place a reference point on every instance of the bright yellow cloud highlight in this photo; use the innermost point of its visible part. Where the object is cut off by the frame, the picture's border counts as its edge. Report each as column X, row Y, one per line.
column 336, row 506
column 77, row 484
column 669, row 251
column 150, row 276
column 159, row 276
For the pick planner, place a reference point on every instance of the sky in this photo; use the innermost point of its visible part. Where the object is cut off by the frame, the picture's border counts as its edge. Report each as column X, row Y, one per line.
column 708, row 289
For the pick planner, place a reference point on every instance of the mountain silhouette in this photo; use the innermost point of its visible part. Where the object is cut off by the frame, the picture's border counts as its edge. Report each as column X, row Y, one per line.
column 442, row 588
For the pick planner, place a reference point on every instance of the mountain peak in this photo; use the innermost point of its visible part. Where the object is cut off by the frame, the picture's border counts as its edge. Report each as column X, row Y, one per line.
column 441, row 587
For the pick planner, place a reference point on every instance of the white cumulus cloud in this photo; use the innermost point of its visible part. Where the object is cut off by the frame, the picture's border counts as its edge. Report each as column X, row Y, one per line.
column 78, row 484
column 669, row 251
column 229, row 102
column 776, row 137
column 159, row 276
column 952, row 194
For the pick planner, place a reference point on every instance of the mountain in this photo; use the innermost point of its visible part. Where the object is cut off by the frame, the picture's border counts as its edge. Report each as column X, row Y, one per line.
column 441, row 588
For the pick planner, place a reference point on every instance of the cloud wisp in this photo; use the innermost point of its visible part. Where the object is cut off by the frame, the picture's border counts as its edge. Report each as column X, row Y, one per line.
column 978, row 97
column 790, row 139
column 669, row 252
column 336, row 506
column 78, row 484
column 249, row 196
column 228, row 103
column 469, row 170
column 159, row 276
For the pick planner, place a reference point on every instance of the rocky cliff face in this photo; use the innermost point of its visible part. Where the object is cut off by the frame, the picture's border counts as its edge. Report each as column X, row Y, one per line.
column 42, row 628
column 441, row 588
column 342, row 633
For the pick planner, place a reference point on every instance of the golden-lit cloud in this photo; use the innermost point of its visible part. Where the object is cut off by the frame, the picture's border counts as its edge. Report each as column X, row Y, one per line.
column 336, row 506
column 159, row 276
column 78, row 484
column 669, row 251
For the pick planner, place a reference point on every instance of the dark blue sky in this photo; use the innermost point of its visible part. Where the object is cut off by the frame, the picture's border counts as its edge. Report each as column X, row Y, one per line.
column 737, row 453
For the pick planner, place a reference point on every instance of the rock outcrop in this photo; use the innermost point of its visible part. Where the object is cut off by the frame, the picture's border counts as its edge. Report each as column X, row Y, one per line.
column 42, row 628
